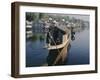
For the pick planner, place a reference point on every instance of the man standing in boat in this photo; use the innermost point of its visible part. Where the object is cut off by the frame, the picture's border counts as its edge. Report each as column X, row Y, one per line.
column 53, row 35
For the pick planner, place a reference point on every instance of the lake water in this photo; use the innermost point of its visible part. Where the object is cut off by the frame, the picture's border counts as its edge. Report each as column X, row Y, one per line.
column 78, row 52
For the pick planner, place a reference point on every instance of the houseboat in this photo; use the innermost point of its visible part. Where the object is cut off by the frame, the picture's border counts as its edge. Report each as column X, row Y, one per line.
column 29, row 29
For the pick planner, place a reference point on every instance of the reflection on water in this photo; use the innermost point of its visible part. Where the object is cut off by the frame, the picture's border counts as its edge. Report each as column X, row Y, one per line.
column 79, row 51
column 76, row 52
column 56, row 58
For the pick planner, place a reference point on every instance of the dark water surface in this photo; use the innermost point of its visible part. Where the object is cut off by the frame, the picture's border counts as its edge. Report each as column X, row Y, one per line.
column 78, row 53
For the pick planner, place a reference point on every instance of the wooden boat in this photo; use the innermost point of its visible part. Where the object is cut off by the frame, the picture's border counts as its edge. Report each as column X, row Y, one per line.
column 61, row 33
column 58, row 51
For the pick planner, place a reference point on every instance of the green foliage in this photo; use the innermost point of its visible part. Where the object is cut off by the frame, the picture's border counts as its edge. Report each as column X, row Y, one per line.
column 33, row 38
column 41, row 37
column 41, row 15
column 37, row 37
column 67, row 18
column 30, row 16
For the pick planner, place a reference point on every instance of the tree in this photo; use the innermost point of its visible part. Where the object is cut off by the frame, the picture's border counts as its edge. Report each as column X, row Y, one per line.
column 30, row 16
column 41, row 15
column 67, row 18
